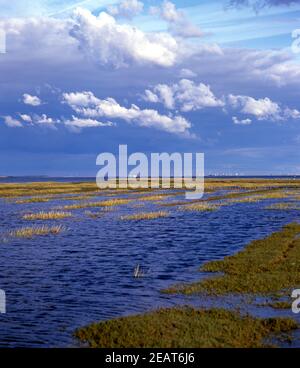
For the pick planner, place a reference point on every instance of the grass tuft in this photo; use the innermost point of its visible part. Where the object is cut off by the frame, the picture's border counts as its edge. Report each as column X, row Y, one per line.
column 145, row 216
column 201, row 207
column 283, row 206
column 29, row 232
column 108, row 203
column 47, row 215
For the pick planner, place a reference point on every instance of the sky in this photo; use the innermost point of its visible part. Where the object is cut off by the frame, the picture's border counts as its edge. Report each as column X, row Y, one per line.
column 78, row 78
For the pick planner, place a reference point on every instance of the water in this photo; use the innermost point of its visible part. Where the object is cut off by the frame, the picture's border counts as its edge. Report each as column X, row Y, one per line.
column 57, row 283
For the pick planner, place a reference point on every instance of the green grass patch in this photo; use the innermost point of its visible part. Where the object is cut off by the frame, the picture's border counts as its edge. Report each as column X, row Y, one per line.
column 185, row 327
column 281, row 305
column 265, row 266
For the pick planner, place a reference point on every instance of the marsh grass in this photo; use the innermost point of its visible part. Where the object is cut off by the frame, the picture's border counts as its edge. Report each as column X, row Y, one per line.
column 55, row 198
column 238, row 197
column 75, row 198
column 94, row 215
column 200, row 207
column 281, row 305
column 47, row 215
column 283, row 206
column 253, row 199
column 98, row 214
column 29, row 232
column 34, row 200
column 158, row 197
column 10, row 190
column 185, row 327
column 138, row 205
column 145, row 216
column 107, row 203
column 264, row 267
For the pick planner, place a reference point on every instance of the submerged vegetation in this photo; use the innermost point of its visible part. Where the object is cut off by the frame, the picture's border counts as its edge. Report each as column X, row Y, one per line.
column 242, row 196
column 185, row 328
column 158, row 197
column 34, row 200
column 204, row 206
column 283, row 206
column 280, row 305
column 47, row 215
column 97, row 214
column 270, row 265
column 145, row 216
column 265, row 266
column 108, row 203
column 29, row 232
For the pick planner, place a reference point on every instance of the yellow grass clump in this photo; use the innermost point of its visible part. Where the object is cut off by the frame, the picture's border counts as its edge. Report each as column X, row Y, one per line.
column 145, row 216
column 108, row 203
column 201, row 207
column 154, row 197
column 29, row 232
column 47, row 215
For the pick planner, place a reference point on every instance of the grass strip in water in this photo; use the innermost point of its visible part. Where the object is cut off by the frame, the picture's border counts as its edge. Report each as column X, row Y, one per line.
column 108, row 203
column 201, row 207
column 264, row 267
column 145, row 216
column 153, row 197
column 283, row 206
column 185, row 327
column 236, row 197
column 29, row 232
column 34, row 200
column 47, row 215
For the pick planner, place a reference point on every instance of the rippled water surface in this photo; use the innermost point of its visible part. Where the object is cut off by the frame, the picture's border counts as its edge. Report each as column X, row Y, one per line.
column 57, row 283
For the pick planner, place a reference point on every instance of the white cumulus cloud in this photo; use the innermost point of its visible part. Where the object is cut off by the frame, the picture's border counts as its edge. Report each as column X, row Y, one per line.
column 43, row 119
column 126, row 8
column 11, row 122
column 85, row 123
column 87, row 105
column 262, row 108
column 241, row 121
column 26, row 118
column 186, row 94
column 110, row 43
column 31, row 100
column 178, row 22
column 187, row 73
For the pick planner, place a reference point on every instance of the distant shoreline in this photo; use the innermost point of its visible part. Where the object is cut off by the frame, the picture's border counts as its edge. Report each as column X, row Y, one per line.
column 171, row 177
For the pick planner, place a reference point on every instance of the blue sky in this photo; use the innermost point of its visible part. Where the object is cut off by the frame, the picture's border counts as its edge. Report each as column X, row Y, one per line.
column 81, row 77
